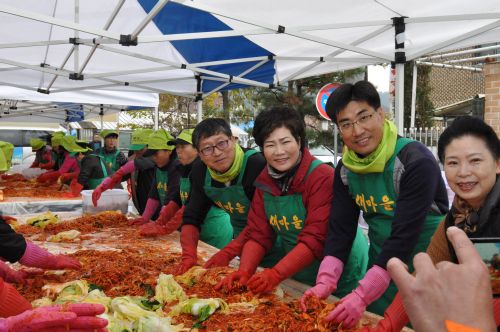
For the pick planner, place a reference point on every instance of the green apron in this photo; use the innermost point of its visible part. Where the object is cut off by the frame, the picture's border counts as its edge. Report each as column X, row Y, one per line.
column 161, row 185
column 216, row 229
column 110, row 160
column 231, row 199
column 235, row 202
column 286, row 215
column 93, row 183
column 376, row 196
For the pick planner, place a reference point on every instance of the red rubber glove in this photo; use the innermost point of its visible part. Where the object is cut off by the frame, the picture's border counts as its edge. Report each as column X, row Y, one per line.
column 329, row 274
column 158, row 228
column 72, row 317
column 167, row 212
column 189, row 242
column 11, row 275
column 49, row 177
column 35, row 256
column 76, row 189
column 250, row 258
column 47, row 166
column 11, row 302
column 67, row 177
column 352, row 306
column 395, row 318
column 224, row 256
column 296, row 260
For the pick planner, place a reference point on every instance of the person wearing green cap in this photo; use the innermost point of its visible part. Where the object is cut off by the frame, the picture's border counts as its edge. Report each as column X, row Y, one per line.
column 6, row 152
column 224, row 177
column 71, row 177
column 165, row 187
column 68, row 148
column 43, row 154
column 139, row 170
column 110, row 153
column 57, row 154
column 216, row 229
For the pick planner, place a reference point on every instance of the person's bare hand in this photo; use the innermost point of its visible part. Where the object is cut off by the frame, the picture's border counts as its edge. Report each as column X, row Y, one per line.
column 457, row 292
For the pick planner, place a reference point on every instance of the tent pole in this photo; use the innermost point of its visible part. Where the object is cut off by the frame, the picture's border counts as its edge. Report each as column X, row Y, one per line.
column 399, row 59
column 413, row 94
column 156, row 116
column 199, row 110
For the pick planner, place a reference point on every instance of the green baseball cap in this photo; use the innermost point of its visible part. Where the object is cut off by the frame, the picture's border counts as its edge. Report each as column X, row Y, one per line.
column 6, row 152
column 159, row 141
column 185, row 137
column 70, row 145
column 140, row 139
column 37, row 143
column 106, row 132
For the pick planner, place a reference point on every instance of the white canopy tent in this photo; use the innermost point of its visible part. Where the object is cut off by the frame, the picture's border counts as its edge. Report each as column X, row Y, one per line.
column 193, row 48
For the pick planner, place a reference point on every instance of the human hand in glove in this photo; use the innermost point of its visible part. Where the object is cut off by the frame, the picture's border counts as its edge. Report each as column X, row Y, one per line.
column 329, row 274
column 35, row 256
column 224, row 256
column 10, row 275
column 189, row 242
column 72, row 317
column 250, row 258
column 351, row 307
column 49, row 177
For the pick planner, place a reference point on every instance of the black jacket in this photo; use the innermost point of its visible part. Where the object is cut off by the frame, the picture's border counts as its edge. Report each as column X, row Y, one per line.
column 12, row 244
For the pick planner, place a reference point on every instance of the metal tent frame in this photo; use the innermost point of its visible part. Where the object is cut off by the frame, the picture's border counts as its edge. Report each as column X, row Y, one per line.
column 323, row 47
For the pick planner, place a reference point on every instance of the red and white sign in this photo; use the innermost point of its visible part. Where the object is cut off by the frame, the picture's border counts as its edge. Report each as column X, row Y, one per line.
column 322, row 97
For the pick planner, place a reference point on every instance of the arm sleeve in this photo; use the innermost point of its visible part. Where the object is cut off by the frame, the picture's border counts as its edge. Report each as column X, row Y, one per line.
column 412, row 206
column 85, row 172
column 343, row 221
column 438, row 247
column 121, row 159
column 198, row 202
column 153, row 191
column 36, row 162
column 173, row 185
column 68, row 165
column 12, row 244
column 317, row 201
column 258, row 228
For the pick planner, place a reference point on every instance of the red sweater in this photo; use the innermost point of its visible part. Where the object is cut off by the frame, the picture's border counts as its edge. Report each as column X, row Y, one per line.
column 316, row 191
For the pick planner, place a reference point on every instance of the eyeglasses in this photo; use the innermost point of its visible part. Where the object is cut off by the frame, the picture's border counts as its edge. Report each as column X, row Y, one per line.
column 209, row 150
column 348, row 127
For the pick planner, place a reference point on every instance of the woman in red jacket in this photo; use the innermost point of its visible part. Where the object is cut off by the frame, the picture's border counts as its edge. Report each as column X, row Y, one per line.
column 290, row 208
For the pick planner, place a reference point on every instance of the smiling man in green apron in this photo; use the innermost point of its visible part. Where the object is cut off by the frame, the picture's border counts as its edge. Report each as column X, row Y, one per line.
column 164, row 191
column 139, row 170
column 224, row 177
column 395, row 182
column 216, row 229
column 110, row 154
column 293, row 200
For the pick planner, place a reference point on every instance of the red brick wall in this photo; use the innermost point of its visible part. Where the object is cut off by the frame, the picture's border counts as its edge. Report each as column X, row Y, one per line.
column 492, row 99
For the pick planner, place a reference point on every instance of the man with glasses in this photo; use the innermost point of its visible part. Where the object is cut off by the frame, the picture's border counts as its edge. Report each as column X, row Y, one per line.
column 224, row 177
column 395, row 182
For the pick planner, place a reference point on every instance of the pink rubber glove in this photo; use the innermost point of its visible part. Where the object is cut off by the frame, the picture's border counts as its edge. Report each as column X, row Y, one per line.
column 149, row 211
column 78, row 316
column 36, row 256
column 328, row 276
column 352, row 306
column 11, row 275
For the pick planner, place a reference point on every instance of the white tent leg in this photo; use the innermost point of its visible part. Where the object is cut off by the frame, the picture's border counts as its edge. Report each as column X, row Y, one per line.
column 156, row 116
column 400, row 88
column 199, row 110
column 413, row 95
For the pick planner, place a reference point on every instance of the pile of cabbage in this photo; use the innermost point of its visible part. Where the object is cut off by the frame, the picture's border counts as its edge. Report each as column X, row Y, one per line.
column 136, row 313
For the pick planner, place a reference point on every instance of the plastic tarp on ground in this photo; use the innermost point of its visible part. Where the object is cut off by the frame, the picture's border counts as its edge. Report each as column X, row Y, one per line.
column 193, row 48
